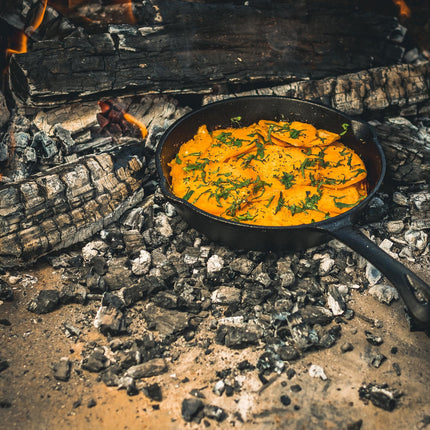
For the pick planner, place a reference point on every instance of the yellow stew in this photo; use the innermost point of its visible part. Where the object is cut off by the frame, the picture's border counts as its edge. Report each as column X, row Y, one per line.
column 270, row 173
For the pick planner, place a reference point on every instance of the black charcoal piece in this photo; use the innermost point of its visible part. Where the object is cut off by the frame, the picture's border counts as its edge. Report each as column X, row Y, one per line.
column 62, row 369
column 285, row 400
column 44, row 302
column 381, row 396
column 153, row 392
column 190, row 409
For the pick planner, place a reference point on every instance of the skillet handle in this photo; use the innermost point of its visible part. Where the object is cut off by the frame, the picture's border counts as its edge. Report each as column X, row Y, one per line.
column 401, row 277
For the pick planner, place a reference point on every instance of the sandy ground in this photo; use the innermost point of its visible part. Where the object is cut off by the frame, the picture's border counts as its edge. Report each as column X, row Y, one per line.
column 32, row 398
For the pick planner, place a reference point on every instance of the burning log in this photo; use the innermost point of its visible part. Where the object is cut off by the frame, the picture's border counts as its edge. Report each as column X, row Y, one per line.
column 187, row 50
column 70, row 202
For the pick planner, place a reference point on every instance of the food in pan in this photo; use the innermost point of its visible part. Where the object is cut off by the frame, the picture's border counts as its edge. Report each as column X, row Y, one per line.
column 273, row 173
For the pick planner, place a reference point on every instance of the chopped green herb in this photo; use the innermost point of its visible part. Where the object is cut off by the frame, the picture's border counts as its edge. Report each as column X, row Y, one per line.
column 188, row 194
column 345, row 127
column 178, row 160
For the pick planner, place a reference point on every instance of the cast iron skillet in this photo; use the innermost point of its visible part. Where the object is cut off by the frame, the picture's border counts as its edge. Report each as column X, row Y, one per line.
column 360, row 137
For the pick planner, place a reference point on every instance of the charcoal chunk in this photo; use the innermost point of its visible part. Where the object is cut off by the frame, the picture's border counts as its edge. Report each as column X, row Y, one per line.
column 153, row 392
column 6, row 292
column 381, row 396
column 214, row 412
column 45, row 301
column 190, row 409
column 62, row 369
column 237, row 337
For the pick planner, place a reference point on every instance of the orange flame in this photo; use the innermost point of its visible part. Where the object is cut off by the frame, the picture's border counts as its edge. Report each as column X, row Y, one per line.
column 133, row 120
column 404, row 11
column 129, row 5
column 22, row 38
column 20, row 45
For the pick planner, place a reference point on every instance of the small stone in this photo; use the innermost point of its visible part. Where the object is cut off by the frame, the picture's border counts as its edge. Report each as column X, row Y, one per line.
column 377, row 359
column 346, row 347
column 62, row 369
column 380, row 395
column 4, row 364
column 384, row 293
column 397, row 369
column 190, row 408
column 316, row 371
column 373, row 339
column 91, row 403
column 295, row 388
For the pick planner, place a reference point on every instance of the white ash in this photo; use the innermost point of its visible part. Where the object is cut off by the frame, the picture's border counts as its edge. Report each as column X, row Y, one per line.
column 140, row 265
column 384, row 293
column 373, row 275
column 214, row 264
column 93, row 249
column 316, row 371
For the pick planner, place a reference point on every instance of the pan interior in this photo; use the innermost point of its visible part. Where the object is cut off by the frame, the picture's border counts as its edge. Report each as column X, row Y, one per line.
column 359, row 136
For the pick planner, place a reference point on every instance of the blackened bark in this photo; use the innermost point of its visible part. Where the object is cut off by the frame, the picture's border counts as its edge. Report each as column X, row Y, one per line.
column 201, row 47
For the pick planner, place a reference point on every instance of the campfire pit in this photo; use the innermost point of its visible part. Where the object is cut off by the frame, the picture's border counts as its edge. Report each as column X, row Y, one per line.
column 105, row 290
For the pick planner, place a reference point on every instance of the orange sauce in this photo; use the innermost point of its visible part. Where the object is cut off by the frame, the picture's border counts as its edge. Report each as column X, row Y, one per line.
column 269, row 173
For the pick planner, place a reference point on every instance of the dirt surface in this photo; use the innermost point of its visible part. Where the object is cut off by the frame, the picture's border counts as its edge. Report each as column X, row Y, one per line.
column 32, row 398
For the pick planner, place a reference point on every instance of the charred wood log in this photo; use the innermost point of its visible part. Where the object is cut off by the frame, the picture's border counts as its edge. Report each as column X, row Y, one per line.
column 199, row 47
column 363, row 93
column 68, row 205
